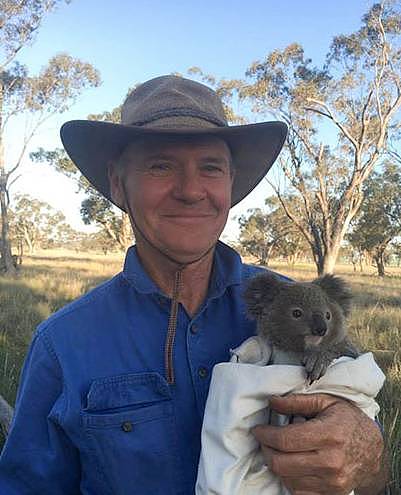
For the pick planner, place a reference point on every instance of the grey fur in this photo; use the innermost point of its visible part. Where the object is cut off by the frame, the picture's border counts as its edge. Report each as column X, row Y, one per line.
column 307, row 319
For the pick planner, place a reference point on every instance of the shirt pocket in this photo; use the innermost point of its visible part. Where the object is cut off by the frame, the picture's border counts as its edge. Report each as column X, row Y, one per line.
column 131, row 432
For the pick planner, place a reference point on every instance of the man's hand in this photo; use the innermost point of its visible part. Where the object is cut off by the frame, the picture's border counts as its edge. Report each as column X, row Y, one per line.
column 338, row 450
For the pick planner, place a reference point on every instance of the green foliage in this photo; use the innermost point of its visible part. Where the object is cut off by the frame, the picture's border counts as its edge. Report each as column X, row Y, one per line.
column 19, row 21
column 52, row 91
column 113, row 116
column 60, row 161
column 59, row 84
column 381, row 17
column 379, row 221
column 356, row 94
column 95, row 209
column 270, row 233
column 35, row 224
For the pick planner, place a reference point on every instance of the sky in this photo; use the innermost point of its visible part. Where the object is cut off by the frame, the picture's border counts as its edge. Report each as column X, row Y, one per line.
column 130, row 41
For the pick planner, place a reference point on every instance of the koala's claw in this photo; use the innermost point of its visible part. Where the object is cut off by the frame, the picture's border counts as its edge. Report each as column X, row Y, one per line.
column 316, row 365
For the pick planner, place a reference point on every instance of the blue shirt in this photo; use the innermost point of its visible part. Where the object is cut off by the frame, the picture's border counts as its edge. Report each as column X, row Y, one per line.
column 94, row 413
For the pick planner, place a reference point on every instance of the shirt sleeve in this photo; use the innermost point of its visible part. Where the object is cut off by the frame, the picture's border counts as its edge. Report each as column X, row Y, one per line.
column 38, row 457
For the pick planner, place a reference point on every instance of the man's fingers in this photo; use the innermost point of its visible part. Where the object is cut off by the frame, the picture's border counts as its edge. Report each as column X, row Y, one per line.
column 301, row 437
column 293, row 465
column 302, row 404
column 305, row 472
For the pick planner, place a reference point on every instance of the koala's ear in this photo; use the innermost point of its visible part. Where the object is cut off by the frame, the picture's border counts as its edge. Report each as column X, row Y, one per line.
column 337, row 289
column 261, row 292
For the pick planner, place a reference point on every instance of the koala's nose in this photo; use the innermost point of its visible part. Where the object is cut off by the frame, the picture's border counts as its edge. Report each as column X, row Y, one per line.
column 319, row 325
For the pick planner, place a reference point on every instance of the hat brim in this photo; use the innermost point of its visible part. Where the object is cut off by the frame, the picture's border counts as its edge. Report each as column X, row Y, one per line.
column 91, row 145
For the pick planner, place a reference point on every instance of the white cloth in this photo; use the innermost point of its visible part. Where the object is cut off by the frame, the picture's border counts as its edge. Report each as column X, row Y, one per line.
column 231, row 462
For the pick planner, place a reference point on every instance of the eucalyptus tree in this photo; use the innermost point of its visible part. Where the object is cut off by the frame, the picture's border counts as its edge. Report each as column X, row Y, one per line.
column 95, row 209
column 357, row 94
column 340, row 117
column 379, row 220
column 35, row 223
column 268, row 233
column 40, row 97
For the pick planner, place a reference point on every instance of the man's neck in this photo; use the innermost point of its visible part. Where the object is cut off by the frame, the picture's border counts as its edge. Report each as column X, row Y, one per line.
column 194, row 281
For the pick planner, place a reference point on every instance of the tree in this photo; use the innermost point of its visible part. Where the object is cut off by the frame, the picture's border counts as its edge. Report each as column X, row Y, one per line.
column 379, row 221
column 35, row 223
column 94, row 208
column 396, row 251
column 255, row 237
column 52, row 91
column 266, row 234
column 356, row 94
column 19, row 22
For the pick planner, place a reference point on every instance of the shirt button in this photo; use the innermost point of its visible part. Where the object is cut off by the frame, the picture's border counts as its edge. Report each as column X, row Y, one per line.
column 126, row 426
column 203, row 372
column 194, row 328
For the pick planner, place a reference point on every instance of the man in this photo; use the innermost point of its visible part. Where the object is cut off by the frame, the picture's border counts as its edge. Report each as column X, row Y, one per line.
column 113, row 390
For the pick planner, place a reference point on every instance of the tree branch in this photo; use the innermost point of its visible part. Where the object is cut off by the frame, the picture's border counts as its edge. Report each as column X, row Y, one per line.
column 329, row 114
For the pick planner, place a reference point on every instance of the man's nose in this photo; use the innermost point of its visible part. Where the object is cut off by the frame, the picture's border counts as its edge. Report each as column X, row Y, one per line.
column 189, row 187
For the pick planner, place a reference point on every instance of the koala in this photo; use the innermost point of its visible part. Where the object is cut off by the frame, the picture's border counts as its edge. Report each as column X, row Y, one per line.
column 304, row 321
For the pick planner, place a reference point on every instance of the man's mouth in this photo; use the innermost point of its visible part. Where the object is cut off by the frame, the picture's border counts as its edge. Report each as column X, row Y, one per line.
column 188, row 216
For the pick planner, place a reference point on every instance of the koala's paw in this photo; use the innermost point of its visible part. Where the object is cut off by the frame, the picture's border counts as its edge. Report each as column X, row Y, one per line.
column 316, row 365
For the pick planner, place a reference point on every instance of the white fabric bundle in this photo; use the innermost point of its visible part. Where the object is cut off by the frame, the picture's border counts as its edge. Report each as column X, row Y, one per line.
column 231, row 462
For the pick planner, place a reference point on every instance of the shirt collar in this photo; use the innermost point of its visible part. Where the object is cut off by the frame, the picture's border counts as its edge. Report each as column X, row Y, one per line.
column 226, row 271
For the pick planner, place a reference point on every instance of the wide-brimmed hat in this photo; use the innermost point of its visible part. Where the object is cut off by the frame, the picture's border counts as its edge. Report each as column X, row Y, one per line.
column 172, row 105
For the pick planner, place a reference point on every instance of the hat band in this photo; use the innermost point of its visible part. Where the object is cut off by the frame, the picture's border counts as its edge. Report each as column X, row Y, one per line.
column 176, row 113
column 180, row 124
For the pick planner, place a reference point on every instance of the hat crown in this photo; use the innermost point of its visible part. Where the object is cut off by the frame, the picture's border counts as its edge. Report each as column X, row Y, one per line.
column 173, row 102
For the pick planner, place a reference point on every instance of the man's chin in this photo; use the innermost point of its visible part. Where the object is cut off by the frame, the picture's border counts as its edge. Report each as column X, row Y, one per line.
column 187, row 256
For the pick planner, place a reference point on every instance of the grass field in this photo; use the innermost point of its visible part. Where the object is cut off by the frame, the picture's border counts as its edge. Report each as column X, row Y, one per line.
column 49, row 280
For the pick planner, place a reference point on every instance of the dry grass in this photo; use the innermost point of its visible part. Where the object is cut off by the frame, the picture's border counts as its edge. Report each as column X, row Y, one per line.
column 49, row 280
column 46, row 282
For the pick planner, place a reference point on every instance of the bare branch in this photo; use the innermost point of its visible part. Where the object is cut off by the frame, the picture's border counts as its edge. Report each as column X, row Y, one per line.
column 332, row 117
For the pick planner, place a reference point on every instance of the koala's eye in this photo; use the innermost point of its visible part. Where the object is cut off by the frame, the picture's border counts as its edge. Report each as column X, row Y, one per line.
column 297, row 313
column 328, row 315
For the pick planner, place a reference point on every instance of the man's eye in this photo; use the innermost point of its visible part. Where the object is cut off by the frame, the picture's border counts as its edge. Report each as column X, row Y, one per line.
column 159, row 168
column 211, row 169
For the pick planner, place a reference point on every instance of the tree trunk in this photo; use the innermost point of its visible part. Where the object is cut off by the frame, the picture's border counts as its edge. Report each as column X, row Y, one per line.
column 20, row 248
column 125, row 238
column 6, row 262
column 361, row 258
column 326, row 262
column 6, row 256
column 263, row 257
column 29, row 242
column 379, row 265
column 379, row 260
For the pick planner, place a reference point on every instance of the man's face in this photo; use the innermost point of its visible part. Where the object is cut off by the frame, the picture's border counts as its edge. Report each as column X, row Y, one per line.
column 179, row 192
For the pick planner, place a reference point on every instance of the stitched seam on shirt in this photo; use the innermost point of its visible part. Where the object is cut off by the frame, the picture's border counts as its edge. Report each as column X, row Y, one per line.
column 49, row 347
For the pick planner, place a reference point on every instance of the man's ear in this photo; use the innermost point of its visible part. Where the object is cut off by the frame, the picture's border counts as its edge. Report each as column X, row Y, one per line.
column 337, row 290
column 261, row 292
column 116, row 187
